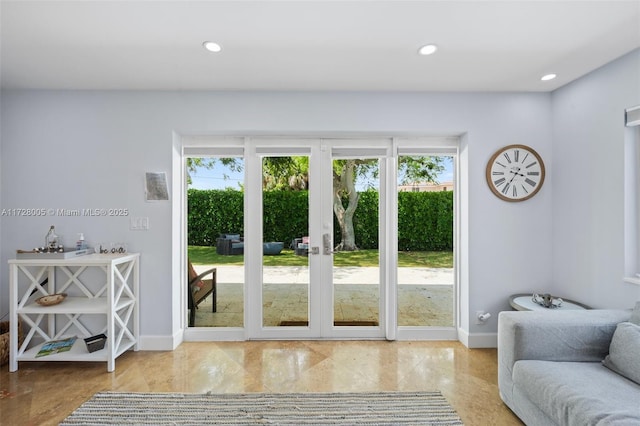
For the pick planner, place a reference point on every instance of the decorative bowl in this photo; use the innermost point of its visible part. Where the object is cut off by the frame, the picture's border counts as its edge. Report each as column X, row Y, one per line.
column 51, row 299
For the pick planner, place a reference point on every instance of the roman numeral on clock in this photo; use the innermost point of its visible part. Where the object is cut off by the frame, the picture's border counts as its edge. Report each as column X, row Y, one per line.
column 499, row 181
column 530, row 182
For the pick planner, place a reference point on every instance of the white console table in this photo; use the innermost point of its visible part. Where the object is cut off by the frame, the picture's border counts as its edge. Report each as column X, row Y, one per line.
column 102, row 298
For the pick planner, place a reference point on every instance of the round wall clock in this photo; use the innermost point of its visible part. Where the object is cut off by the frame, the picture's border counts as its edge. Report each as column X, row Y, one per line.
column 515, row 173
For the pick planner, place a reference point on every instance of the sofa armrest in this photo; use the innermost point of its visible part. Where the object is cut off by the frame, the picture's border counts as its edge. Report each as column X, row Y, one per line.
column 573, row 335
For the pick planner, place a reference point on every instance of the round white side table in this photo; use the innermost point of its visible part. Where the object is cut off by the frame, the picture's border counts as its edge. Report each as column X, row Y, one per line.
column 524, row 302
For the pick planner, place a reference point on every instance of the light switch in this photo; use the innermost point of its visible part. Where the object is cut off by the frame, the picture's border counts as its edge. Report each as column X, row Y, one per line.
column 139, row 224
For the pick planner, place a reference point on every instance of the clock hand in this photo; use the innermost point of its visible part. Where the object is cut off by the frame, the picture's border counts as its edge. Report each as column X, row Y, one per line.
column 514, row 175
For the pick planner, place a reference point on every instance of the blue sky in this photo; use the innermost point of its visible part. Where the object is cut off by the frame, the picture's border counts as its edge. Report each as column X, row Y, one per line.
column 215, row 178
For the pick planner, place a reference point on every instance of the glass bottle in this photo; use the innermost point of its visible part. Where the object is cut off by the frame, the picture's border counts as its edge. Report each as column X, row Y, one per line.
column 51, row 240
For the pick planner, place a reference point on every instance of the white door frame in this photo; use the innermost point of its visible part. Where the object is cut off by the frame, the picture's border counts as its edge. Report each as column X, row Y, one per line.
column 252, row 148
column 321, row 157
column 256, row 150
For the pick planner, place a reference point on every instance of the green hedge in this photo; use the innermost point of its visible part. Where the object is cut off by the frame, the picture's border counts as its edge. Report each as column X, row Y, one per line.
column 425, row 219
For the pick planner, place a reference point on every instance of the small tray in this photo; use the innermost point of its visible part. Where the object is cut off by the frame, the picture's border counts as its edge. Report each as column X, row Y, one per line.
column 51, row 299
column 31, row 254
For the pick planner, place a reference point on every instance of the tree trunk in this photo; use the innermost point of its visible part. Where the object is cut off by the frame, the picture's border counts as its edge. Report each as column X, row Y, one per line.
column 344, row 184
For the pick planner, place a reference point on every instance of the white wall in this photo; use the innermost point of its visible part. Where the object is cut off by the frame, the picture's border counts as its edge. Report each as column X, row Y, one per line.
column 85, row 149
column 588, row 186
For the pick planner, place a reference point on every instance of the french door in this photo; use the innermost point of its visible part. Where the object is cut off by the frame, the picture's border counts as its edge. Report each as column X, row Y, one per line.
column 333, row 195
column 315, row 298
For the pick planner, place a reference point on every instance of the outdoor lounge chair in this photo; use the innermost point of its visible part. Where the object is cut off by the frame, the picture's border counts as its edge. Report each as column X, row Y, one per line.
column 198, row 288
column 229, row 244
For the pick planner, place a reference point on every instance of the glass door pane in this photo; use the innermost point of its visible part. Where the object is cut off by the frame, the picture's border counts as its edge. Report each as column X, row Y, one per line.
column 356, row 258
column 215, row 223
column 425, row 241
column 285, row 240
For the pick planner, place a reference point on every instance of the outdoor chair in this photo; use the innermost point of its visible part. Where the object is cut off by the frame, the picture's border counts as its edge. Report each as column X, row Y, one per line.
column 198, row 288
column 300, row 246
column 229, row 244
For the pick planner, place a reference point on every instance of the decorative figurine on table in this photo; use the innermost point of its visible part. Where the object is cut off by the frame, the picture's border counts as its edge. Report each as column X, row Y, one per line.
column 51, row 242
column 547, row 300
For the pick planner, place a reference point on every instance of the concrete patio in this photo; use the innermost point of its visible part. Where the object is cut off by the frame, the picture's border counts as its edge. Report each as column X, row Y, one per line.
column 425, row 296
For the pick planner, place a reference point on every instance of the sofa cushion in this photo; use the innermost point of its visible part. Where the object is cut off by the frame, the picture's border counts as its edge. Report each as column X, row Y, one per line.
column 624, row 352
column 578, row 393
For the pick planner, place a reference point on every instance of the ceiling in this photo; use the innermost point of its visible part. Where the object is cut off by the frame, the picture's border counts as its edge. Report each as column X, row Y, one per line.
column 306, row 45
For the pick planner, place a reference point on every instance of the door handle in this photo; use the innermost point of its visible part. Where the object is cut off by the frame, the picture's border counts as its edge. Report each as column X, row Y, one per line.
column 326, row 244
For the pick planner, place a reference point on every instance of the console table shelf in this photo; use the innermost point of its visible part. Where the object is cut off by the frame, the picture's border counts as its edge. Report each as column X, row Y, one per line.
column 76, row 305
column 103, row 298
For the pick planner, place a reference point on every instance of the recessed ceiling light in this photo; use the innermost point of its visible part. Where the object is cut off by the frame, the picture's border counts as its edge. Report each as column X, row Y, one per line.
column 212, row 46
column 428, row 49
column 548, row 77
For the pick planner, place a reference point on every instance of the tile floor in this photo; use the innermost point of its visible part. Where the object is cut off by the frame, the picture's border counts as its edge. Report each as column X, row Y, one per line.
column 44, row 393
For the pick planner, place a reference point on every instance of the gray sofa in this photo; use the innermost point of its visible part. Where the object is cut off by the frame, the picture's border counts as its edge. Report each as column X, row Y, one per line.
column 551, row 366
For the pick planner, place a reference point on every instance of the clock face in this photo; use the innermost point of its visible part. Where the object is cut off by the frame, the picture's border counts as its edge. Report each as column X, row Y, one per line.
column 515, row 173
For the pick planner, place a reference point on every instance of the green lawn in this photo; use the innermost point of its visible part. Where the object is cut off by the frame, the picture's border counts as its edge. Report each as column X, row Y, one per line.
column 201, row 255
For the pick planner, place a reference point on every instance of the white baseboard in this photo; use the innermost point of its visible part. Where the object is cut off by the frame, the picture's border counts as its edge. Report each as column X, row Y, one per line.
column 214, row 334
column 478, row 340
column 160, row 343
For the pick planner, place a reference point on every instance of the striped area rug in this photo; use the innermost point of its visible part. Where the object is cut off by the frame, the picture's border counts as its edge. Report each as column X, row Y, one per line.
column 369, row 408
